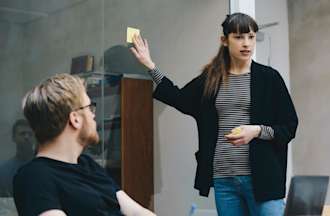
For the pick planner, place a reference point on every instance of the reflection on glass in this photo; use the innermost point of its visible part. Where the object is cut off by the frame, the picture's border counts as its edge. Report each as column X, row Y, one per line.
column 22, row 136
column 38, row 39
column 119, row 59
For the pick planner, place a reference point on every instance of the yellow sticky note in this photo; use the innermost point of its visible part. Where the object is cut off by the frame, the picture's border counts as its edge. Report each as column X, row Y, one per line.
column 236, row 131
column 130, row 33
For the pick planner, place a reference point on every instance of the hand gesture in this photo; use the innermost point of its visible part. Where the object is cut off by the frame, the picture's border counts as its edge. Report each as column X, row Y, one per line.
column 141, row 51
column 243, row 134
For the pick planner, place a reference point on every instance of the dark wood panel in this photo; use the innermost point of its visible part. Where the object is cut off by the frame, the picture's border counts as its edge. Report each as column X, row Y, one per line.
column 137, row 139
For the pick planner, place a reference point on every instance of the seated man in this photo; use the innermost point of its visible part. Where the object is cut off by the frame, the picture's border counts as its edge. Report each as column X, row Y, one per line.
column 60, row 180
column 22, row 136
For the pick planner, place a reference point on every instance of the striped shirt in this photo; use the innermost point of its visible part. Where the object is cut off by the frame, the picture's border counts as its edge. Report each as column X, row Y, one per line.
column 233, row 103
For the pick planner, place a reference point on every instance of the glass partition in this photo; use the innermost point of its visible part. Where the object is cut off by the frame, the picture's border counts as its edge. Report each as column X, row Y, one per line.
column 38, row 38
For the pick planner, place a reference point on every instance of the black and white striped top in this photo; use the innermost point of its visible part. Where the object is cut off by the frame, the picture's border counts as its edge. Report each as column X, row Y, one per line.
column 233, row 104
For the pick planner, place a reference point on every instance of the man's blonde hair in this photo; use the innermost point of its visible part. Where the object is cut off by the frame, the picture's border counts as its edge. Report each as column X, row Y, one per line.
column 48, row 105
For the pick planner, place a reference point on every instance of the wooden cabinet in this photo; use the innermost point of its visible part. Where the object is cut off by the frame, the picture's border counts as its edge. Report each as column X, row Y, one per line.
column 124, row 117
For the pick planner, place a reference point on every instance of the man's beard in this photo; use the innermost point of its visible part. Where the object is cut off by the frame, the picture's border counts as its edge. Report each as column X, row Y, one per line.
column 88, row 137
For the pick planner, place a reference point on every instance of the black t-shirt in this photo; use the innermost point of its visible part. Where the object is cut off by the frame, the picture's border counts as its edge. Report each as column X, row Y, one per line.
column 77, row 189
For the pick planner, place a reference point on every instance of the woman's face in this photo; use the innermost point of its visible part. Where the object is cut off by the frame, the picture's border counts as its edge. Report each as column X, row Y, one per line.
column 240, row 45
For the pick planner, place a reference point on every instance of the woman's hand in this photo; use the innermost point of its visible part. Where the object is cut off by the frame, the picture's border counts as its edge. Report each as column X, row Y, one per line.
column 243, row 134
column 141, row 51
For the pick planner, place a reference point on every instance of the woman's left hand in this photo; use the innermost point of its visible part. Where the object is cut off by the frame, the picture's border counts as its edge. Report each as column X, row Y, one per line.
column 245, row 135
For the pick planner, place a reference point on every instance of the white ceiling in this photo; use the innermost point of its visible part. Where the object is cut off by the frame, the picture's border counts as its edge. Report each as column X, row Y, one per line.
column 24, row 11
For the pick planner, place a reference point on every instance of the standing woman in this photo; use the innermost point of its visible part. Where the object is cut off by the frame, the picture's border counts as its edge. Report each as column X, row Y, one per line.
column 245, row 119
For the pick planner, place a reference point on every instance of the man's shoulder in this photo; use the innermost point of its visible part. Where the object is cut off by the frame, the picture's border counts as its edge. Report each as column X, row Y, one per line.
column 85, row 157
column 35, row 175
column 87, row 161
column 31, row 170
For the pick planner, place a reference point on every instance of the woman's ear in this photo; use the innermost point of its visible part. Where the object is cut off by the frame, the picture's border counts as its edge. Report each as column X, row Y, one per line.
column 75, row 120
column 224, row 40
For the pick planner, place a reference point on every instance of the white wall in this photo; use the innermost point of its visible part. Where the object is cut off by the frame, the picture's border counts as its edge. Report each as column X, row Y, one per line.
column 269, row 11
column 309, row 44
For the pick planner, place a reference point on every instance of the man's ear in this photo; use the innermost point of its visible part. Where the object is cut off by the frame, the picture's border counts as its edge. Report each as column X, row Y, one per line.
column 224, row 40
column 75, row 120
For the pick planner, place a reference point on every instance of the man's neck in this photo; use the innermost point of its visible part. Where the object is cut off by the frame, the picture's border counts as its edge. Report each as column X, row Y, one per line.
column 63, row 148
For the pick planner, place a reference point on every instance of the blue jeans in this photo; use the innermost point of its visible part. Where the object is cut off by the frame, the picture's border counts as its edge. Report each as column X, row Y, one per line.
column 234, row 197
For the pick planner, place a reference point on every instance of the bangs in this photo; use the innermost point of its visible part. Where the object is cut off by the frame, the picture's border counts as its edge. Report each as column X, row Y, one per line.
column 241, row 24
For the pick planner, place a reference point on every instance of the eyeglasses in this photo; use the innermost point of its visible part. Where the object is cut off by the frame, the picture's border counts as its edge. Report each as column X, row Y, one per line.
column 92, row 107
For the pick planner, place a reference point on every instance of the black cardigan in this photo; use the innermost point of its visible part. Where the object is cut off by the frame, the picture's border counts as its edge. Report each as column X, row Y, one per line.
column 271, row 105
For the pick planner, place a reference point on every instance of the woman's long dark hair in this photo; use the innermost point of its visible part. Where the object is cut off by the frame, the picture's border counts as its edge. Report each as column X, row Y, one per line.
column 218, row 69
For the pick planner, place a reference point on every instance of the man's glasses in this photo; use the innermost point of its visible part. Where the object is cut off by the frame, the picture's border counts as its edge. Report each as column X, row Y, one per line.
column 92, row 107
